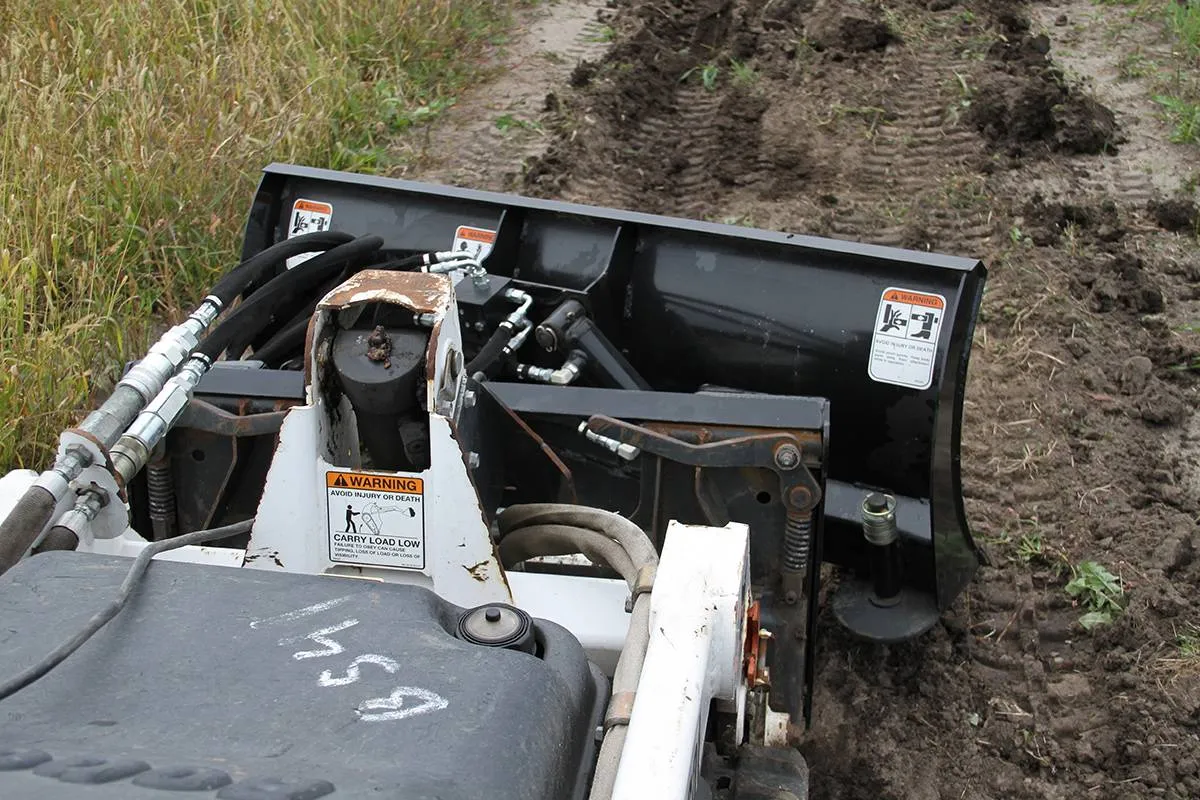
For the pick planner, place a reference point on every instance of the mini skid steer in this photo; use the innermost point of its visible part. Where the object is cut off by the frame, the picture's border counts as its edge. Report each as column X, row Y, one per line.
column 462, row 495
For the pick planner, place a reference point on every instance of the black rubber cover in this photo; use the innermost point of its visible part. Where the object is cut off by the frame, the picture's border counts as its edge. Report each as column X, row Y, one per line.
column 209, row 685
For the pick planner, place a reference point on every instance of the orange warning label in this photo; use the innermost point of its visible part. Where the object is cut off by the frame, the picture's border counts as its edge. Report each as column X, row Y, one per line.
column 914, row 298
column 374, row 483
column 312, row 206
column 475, row 235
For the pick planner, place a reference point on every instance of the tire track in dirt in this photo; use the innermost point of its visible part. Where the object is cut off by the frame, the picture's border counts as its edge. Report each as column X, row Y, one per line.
column 942, row 139
column 1097, row 43
column 486, row 138
column 683, row 134
column 913, row 155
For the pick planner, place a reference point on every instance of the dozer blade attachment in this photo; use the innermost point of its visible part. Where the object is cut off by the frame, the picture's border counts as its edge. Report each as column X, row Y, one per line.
column 697, row 310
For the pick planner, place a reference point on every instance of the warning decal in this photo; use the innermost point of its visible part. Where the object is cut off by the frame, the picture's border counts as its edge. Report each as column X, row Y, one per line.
column 376, row 519
column 904, row 344
column 308, row 216
column 476, row 241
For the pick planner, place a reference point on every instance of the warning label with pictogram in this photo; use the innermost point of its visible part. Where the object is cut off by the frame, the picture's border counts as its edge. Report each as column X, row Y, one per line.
column 308, row 216
column 376, row 519
column 904, row 344
column 477, row 242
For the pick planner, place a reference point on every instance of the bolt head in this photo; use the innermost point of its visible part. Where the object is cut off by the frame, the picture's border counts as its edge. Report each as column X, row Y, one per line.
column 787, row 457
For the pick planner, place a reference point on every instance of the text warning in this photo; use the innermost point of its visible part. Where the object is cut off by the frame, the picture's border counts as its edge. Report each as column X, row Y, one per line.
column 376, row 519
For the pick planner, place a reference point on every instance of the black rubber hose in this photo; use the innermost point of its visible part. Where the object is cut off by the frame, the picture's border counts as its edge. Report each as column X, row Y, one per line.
column 487, row 356
column 102, row 617
column 21, row 527
column 58, row 538
column 253, row 314
column 295, row 307
column 288, row 341
column 285, row 343
column 254, row 268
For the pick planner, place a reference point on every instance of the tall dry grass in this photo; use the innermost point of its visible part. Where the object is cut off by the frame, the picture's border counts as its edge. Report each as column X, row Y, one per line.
column 131, row 137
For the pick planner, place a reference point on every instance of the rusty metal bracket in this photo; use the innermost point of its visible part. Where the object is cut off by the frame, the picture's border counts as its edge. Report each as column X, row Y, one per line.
column 206, row 417
column 783, row 452
column 644, row 584
column 620, row 710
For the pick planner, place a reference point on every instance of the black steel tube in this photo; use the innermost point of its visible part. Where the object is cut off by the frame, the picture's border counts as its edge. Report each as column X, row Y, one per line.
column 21, row 527
column 886, row 570
column 605, row 360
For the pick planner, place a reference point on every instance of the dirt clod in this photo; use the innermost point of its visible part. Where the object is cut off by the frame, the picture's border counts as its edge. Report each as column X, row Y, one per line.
column 379, row 347
column 846, row 31
column 1135, row 374
column 1178, row 215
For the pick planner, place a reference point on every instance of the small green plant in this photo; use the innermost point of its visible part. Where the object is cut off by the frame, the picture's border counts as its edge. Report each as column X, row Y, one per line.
column 743, row 73
column 1030, row 547
column 1135, row 65
column 708, row 75
column 507, row 122
column 605, row 33
column 1097, row 590
column 1184, row 115
column 1188, row 643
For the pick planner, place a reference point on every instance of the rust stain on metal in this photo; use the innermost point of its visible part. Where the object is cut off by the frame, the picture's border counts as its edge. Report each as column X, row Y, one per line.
column 546, row 449
column 431, row 350
column 108, row 464
column 479, row 571
column 750, row 649
column 271, row 554
column 421, row 292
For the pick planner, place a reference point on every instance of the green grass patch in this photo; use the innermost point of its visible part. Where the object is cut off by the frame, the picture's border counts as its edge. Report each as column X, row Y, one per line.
column 1184, row 116
column 508, row 122
column 1184, row 19
column 133, row 135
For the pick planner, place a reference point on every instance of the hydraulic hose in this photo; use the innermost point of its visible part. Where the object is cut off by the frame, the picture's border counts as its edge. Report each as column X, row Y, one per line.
column 285, row 342
column 550, row 528
column 557, row 540
column 58, row 538
column 253, row 314
column 238, row 279
column 21, row 527
column 105, row 425
column 489, row 354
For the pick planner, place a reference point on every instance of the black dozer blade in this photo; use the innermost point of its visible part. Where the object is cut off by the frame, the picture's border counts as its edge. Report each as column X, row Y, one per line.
column 871, row 342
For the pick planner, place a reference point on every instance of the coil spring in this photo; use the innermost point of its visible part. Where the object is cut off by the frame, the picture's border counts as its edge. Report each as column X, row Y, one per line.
column 797, row 535
column 160, row 496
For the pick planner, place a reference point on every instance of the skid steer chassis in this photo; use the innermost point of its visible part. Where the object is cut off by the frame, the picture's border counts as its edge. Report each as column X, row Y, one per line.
column 759, row 404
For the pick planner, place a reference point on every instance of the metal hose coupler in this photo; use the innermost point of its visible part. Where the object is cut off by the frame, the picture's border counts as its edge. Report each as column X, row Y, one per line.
column 132, row 452
column 148, row 375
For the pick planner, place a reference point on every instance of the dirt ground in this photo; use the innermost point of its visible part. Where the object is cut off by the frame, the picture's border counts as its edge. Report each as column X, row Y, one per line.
column 991, row 128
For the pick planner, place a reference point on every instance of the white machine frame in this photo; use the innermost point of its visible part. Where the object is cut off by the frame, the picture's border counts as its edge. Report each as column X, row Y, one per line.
column 699, row 601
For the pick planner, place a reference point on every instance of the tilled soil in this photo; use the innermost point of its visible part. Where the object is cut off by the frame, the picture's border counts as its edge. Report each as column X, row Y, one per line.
column 952, row 126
